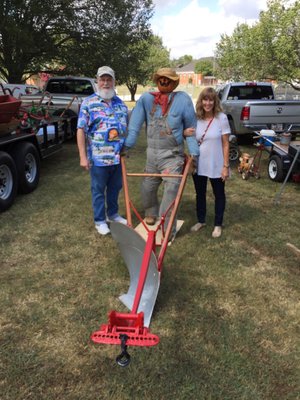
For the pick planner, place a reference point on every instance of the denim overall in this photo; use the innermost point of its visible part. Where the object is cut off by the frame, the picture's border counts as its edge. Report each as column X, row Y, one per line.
column 164, row 155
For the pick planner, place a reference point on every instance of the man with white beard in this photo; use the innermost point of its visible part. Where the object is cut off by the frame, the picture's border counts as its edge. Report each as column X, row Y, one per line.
column 102, row 125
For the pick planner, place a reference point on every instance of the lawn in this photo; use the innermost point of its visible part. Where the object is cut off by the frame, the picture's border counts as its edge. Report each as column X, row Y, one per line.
column 227, row 312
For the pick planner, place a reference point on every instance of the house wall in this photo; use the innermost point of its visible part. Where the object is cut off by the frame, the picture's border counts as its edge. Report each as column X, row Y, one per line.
column 190, row 78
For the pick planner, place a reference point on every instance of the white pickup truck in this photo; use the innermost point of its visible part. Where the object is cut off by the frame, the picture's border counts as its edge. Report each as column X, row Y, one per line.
column 252, row 106
column 63, row 94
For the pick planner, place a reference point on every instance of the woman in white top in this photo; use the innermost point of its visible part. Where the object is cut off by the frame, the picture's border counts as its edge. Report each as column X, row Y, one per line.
column 212, row 133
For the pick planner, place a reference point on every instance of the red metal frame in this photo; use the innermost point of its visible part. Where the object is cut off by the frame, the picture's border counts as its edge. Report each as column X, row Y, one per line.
column 132, row 324
column 9, row 107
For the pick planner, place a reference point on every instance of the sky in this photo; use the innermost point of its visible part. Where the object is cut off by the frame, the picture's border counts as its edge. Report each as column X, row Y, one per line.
column 194, row 27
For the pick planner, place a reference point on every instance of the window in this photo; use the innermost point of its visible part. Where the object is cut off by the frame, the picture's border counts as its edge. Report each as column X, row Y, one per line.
column 251, row 93
column 55, row 87
column 70, row 86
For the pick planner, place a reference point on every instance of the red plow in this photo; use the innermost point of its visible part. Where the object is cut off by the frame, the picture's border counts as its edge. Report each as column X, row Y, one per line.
column 143, row 250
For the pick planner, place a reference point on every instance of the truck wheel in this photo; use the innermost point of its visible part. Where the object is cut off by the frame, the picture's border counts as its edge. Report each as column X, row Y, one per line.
column 8, row 181
column 275, row 169
column 27, row 161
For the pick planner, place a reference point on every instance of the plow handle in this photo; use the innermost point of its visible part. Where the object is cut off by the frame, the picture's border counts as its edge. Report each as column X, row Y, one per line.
column 173, row 213
column 126, row 191
column 68, row 105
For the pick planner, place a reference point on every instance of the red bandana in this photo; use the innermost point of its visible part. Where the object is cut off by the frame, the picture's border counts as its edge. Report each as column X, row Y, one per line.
column 162, row 99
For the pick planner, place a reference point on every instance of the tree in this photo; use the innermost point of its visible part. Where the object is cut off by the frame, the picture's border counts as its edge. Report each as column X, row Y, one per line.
column 27, row 29
column 270, row 49
column 204, row 67
column 140, row 61
column 280, row 24
column 183, row 60
column 77, row 35
column 232, row 56
column 121, row 25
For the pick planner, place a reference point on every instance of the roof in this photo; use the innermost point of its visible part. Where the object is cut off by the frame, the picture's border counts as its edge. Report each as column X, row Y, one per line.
column 190, row 67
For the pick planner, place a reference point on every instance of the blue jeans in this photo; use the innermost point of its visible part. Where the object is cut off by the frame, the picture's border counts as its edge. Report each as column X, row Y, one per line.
column 218, row 187
column 106, row 183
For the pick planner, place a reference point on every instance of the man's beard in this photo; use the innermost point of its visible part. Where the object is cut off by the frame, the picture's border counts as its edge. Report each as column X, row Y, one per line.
column 106, row 94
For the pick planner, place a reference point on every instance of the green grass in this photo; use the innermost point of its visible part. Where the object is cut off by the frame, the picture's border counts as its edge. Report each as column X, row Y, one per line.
column 227, row 312
column 192, row 90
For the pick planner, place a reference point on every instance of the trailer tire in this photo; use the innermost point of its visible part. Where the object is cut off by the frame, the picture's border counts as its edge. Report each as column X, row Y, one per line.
column 27, row 161
column 233, row 153
column 8, row 181
column 275, row 169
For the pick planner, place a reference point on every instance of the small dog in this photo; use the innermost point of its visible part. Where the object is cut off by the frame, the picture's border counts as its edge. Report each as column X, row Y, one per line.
column 245, row 162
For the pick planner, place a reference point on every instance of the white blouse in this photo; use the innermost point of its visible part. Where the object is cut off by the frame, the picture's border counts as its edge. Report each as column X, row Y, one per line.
column 211, row 160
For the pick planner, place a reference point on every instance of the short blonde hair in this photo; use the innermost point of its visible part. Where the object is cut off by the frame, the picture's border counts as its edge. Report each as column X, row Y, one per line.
column 208, row 93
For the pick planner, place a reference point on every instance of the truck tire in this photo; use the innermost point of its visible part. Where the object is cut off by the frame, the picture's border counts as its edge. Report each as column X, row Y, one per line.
column 8, row 181
column 27, row 161
column 275, row 169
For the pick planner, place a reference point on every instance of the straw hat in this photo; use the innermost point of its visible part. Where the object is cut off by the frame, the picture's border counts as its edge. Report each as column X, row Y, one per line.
column 166, row 72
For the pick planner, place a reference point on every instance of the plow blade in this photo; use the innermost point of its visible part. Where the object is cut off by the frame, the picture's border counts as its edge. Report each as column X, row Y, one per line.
column 132, row 247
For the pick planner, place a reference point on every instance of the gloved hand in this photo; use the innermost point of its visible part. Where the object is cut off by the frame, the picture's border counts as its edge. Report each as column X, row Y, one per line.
column 194, row 165
column 189, row 132
column 124, row 152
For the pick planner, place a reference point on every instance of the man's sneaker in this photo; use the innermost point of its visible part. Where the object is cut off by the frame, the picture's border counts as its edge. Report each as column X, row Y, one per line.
column 118, row 218
column 103, row 229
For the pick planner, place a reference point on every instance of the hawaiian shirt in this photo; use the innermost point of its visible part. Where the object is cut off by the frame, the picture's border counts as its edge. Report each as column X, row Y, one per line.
column 105, row 126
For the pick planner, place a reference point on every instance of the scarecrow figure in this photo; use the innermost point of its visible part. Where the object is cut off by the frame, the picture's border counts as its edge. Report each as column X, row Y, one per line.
column 166, row 114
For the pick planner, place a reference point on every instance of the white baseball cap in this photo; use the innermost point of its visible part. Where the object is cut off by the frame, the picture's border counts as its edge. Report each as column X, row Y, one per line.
column 106, row 71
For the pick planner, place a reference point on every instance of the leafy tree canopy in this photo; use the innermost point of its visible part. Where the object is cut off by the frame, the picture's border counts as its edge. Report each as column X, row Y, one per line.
column 140, row 61
column 76, row 35
column 270, row 49
column 181, row 61
column 204, row 67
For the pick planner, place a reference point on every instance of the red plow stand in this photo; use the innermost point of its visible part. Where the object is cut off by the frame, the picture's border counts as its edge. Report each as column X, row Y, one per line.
column 143, row 255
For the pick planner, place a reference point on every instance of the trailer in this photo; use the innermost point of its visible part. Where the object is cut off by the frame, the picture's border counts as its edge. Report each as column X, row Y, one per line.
column 27, row 136
column 284, row 160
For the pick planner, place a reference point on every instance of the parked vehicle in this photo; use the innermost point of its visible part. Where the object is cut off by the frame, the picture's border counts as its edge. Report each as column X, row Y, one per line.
column 252, row 106
column 64, row 94
column 24, row 142
column 18, row 90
